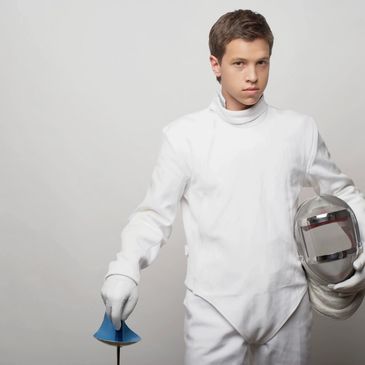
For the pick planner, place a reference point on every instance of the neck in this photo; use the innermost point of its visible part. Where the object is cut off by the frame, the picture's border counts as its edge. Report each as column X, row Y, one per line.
column 243, row 117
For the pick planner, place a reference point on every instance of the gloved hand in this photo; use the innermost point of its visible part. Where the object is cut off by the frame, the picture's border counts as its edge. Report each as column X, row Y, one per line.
column 356, row 282
column 120, row 296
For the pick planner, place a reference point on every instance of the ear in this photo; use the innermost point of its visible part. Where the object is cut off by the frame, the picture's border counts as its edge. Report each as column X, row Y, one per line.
column 215, row 65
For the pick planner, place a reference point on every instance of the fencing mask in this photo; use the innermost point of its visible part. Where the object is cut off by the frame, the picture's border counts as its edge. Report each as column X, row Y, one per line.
column 328, row 242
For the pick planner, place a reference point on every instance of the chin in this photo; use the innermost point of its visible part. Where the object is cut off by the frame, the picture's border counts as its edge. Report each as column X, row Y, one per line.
column 250, row 101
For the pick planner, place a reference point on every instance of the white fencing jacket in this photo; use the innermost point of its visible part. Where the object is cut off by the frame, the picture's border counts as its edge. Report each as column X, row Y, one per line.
column 237, row 176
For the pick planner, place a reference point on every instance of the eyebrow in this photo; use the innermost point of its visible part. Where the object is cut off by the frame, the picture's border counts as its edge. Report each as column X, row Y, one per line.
column 244, row 59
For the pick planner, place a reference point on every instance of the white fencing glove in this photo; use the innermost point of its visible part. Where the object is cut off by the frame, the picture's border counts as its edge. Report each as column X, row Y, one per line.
column 356, row 282
column 120, row 296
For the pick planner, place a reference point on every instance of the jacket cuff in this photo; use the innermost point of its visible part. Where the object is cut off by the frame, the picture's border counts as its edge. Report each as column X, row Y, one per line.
column 122, row 267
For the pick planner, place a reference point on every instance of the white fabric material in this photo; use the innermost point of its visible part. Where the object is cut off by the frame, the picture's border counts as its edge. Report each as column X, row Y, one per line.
column 211, row 340
column 237, row 175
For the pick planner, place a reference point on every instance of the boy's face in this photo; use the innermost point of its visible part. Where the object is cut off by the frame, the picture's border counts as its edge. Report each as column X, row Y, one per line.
column 244, row 65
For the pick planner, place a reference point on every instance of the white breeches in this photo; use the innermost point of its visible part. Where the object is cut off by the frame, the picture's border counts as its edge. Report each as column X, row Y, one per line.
column 211, row 340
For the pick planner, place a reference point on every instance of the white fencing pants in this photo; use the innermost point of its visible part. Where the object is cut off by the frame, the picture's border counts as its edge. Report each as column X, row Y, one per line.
column 211, row 340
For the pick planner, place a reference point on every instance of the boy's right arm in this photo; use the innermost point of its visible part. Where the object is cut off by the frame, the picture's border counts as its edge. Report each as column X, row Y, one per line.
column 148, row 228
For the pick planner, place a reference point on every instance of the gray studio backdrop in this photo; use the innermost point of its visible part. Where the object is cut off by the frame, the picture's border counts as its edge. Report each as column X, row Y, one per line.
column 86, row 87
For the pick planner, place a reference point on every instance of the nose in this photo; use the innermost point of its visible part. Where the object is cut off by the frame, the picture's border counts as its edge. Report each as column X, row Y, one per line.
column 251, row 74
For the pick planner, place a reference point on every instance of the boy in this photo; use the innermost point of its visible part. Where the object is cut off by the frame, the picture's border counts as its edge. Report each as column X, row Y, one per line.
column 237, row 168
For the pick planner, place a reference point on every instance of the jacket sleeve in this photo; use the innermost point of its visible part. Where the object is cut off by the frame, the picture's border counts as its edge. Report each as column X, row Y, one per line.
column 150, row 224
column 326, row 178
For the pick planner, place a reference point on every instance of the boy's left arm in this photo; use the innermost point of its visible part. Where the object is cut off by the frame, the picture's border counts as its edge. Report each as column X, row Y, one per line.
column 326, row 178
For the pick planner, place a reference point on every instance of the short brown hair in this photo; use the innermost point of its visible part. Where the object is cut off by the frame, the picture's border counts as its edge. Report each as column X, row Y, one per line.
column 245, row 24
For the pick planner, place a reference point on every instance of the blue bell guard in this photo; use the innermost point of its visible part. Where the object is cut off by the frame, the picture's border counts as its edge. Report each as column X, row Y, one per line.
column 109, row 335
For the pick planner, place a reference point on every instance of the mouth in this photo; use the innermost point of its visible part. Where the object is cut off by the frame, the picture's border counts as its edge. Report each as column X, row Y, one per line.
column 251, row 91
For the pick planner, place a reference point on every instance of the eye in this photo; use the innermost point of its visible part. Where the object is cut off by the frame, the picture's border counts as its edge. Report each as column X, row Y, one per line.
column 263, row 62
column 238, row 63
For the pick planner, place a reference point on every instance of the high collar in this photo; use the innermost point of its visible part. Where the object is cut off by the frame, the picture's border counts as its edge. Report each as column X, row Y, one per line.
column 241, row 117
